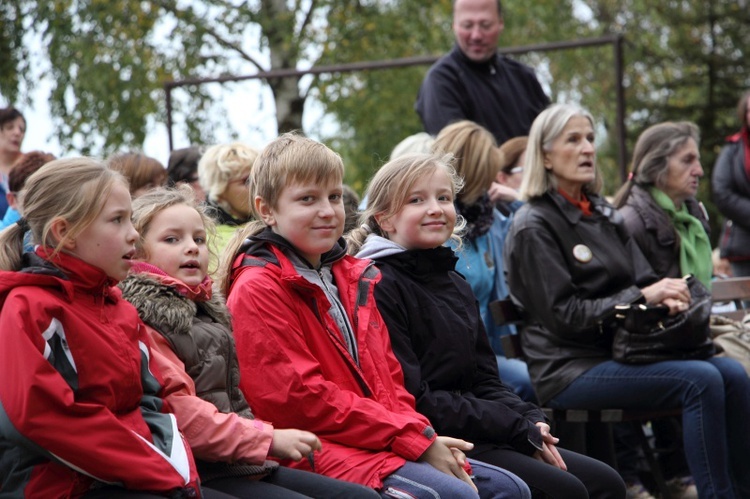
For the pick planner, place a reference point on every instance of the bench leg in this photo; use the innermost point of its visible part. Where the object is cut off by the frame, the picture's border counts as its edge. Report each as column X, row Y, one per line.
column 653, row 462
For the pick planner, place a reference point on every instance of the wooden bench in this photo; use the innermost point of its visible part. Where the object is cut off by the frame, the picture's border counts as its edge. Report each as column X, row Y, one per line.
column 733, row 290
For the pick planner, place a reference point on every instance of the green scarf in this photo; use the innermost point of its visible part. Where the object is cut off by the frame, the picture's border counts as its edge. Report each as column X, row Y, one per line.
column 695, row 248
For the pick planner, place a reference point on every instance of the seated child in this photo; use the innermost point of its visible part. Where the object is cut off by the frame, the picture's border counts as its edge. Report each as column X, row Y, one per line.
column 312, row 347
column 81, row 410
column 438, row 334
column 190, row 330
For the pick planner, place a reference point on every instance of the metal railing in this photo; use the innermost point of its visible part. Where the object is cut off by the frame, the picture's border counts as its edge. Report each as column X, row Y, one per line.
column 615, row 40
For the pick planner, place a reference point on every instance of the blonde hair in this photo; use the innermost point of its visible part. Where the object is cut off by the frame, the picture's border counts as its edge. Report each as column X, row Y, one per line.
column 389, row 189
column 139, row 169
column 477, row 157
column 290, row 158
column 150, row 204
column 547, row 127
column 418, row 143
column 71, row 189
column 221, row 164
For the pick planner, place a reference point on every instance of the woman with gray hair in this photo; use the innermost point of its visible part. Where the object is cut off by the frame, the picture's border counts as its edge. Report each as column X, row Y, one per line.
column 569, row 262
column 671, row 228
column 659, row 206
column 223, row 171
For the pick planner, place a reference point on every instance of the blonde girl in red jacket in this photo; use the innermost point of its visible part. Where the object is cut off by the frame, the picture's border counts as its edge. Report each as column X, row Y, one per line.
column 190, row 330
column 82, row 410
column 314, row 352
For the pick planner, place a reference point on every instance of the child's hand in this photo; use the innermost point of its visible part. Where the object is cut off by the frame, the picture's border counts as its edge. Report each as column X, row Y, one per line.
column 440, row 455
column 293, row 444
column 549, row 453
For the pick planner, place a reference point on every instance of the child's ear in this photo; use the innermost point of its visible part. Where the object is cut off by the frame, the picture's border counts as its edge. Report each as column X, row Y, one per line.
column 265, row 211
column 58, row 229
column 384, row 223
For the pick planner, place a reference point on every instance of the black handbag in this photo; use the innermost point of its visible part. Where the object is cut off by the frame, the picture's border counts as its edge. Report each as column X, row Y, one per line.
column 647, row 333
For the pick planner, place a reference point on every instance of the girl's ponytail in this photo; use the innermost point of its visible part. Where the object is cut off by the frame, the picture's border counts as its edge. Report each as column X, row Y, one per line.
column 11, row 245
column 356, row 237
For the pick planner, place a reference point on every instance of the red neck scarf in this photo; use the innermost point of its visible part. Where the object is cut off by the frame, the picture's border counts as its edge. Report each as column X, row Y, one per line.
column 201, row 292
column 584, row 204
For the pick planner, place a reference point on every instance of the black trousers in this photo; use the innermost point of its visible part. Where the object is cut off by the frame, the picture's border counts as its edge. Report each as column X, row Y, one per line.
column 288, row 483
column 586, row 477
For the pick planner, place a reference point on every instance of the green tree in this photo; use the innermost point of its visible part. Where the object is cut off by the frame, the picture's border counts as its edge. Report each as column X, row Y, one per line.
column 110, row 59
column 375, row 109
column 685, row 61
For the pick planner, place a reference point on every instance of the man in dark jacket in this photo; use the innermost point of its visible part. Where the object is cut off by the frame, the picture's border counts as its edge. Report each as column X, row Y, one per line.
column 474, row 82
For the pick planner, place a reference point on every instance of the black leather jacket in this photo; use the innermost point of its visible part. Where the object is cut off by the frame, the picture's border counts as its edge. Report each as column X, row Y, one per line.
column 731, row 193
column 649, row 225
column 567, row 272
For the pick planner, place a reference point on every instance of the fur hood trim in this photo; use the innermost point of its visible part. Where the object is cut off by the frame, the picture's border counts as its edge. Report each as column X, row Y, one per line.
column 163, row 308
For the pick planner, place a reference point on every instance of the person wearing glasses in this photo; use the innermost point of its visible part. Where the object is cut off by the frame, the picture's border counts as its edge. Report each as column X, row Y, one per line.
column 223, row 171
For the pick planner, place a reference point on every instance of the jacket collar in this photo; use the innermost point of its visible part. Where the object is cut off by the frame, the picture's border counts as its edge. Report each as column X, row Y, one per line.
column 222, row 216
column 257, row 246
column 162, row 307
column 490, row 66
column 598, row 206
column 422, row 263
column 654, row 217
column 63, row 271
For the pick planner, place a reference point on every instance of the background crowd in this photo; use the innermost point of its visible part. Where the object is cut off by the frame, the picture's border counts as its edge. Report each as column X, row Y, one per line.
column 298, row 343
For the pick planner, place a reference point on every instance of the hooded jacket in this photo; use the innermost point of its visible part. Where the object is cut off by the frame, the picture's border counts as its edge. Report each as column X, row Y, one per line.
column 79, row 401
column 196, row 352
column 297, row 371
column 649, row 225
column 438, row 336
column 567, row 271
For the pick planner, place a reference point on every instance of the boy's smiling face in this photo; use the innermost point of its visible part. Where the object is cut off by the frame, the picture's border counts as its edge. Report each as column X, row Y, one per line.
column 309, row 216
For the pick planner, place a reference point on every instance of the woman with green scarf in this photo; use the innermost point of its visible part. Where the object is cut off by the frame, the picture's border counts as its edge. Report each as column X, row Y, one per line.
column 659, row 206
column 671, row 228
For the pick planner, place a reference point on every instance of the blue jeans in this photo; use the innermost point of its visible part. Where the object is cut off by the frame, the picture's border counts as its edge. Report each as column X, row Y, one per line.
column 422, row 481
column 515, row 374
column 715, row 398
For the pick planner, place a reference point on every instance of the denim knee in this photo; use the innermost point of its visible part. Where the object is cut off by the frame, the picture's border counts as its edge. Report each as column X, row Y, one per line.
column 422, row 481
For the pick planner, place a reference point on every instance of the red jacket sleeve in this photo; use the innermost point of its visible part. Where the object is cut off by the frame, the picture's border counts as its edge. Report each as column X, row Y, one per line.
column 40, row 411
column 288, row 375
column 213, row 435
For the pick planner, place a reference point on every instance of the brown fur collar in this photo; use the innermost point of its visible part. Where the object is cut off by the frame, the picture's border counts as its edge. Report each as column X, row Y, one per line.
column 164, row 309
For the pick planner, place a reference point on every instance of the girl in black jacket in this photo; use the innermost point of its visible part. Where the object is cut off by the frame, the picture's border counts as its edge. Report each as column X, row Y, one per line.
column 438, row 335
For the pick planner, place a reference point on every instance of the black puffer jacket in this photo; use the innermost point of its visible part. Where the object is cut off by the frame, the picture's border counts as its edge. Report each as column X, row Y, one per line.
column 567, row 272
column 649, row 225
column 731, row 193
column 438, row 336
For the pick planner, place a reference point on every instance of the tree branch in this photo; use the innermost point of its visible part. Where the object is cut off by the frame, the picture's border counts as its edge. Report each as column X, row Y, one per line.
column 222, row 41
